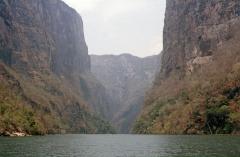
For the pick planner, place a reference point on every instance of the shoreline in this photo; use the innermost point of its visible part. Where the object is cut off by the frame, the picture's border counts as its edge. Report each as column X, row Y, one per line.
column 14, row 134
column 21, row 134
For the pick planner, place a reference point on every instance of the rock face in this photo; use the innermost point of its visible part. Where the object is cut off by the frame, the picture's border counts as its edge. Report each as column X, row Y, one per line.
column 50, row 30
column 43, row 52
column 200, row 66
column 196, row 29
column 126, row 79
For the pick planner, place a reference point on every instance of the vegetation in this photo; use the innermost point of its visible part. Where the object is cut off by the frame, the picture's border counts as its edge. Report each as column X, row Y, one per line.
column 40, row 103
column 15, row 116
column 205, row 102
column 102, row 126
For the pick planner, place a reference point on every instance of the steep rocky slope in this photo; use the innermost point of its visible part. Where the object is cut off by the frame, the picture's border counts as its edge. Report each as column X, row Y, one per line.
column 45, row 69
column 126, row 79
column 197, row 90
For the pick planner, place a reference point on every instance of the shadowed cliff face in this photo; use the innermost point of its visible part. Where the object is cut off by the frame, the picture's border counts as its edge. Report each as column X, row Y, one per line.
column 200, row 68
column 126, row 79
column 43, row 35
column 43, row 49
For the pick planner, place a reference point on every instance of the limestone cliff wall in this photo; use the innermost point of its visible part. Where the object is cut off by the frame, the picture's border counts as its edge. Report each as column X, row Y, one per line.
column 200, row 69
column 196, row 29
column 45, row 35
column 43, row 48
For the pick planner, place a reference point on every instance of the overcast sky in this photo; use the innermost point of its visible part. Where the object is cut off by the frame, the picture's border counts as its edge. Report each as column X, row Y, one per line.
column 122, row 26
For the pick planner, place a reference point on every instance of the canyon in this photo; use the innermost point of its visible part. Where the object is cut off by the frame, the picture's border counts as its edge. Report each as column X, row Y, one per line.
column 49, row 84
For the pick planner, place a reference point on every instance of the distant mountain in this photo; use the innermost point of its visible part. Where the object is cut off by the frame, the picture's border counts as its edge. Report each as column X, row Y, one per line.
column 197, row 90
column 126, row 79
column 45, row 81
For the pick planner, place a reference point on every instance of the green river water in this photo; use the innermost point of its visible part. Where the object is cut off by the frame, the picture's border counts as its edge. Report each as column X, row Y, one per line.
column 120, row 146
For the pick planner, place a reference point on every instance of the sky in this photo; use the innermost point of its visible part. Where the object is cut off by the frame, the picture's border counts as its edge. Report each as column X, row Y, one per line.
column 122, row 26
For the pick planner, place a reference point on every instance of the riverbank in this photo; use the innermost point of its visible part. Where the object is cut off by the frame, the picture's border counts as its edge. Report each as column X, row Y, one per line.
column 13, row 134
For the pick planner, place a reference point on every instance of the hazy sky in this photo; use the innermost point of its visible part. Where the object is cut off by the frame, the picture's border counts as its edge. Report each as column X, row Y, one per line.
column 122, row 26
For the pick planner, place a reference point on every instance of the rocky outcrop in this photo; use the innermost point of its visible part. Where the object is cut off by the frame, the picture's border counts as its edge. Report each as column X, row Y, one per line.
column 43, row 51
column 196, row 29
column 126, row 79
column 199, row 66
column 46, row 35
column 14, row 134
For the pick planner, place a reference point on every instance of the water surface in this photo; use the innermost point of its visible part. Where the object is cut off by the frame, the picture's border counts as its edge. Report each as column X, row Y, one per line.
column 120, row 146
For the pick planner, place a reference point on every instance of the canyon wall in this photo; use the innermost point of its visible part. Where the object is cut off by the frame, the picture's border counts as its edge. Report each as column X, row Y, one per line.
column 45, row 64
column 197, row 89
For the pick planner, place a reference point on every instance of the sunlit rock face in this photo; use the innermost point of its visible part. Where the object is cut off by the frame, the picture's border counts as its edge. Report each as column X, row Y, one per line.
column 126, row 79
column 196, row 29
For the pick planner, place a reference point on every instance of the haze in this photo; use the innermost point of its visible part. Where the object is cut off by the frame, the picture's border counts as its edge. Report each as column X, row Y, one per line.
column 122, row 26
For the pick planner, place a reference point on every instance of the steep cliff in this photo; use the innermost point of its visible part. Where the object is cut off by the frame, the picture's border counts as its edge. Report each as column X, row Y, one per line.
column 194, row 30
column 197, row 90
column 45, row 63
column 126, row 79
column 43, row 35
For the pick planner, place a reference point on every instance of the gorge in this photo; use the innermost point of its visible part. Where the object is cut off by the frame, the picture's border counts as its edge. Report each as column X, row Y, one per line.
column 49, row 84
column 66, row 100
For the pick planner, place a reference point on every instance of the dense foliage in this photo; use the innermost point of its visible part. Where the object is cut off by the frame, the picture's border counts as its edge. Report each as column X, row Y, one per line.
column 15, row 116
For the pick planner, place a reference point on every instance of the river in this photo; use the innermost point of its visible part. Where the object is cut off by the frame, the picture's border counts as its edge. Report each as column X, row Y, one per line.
column 120, row 146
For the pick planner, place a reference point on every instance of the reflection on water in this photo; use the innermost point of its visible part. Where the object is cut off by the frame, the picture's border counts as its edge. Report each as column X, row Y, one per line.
column 120, row 146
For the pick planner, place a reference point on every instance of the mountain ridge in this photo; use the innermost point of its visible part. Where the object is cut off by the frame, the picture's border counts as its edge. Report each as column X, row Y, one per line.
column 126, row 79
